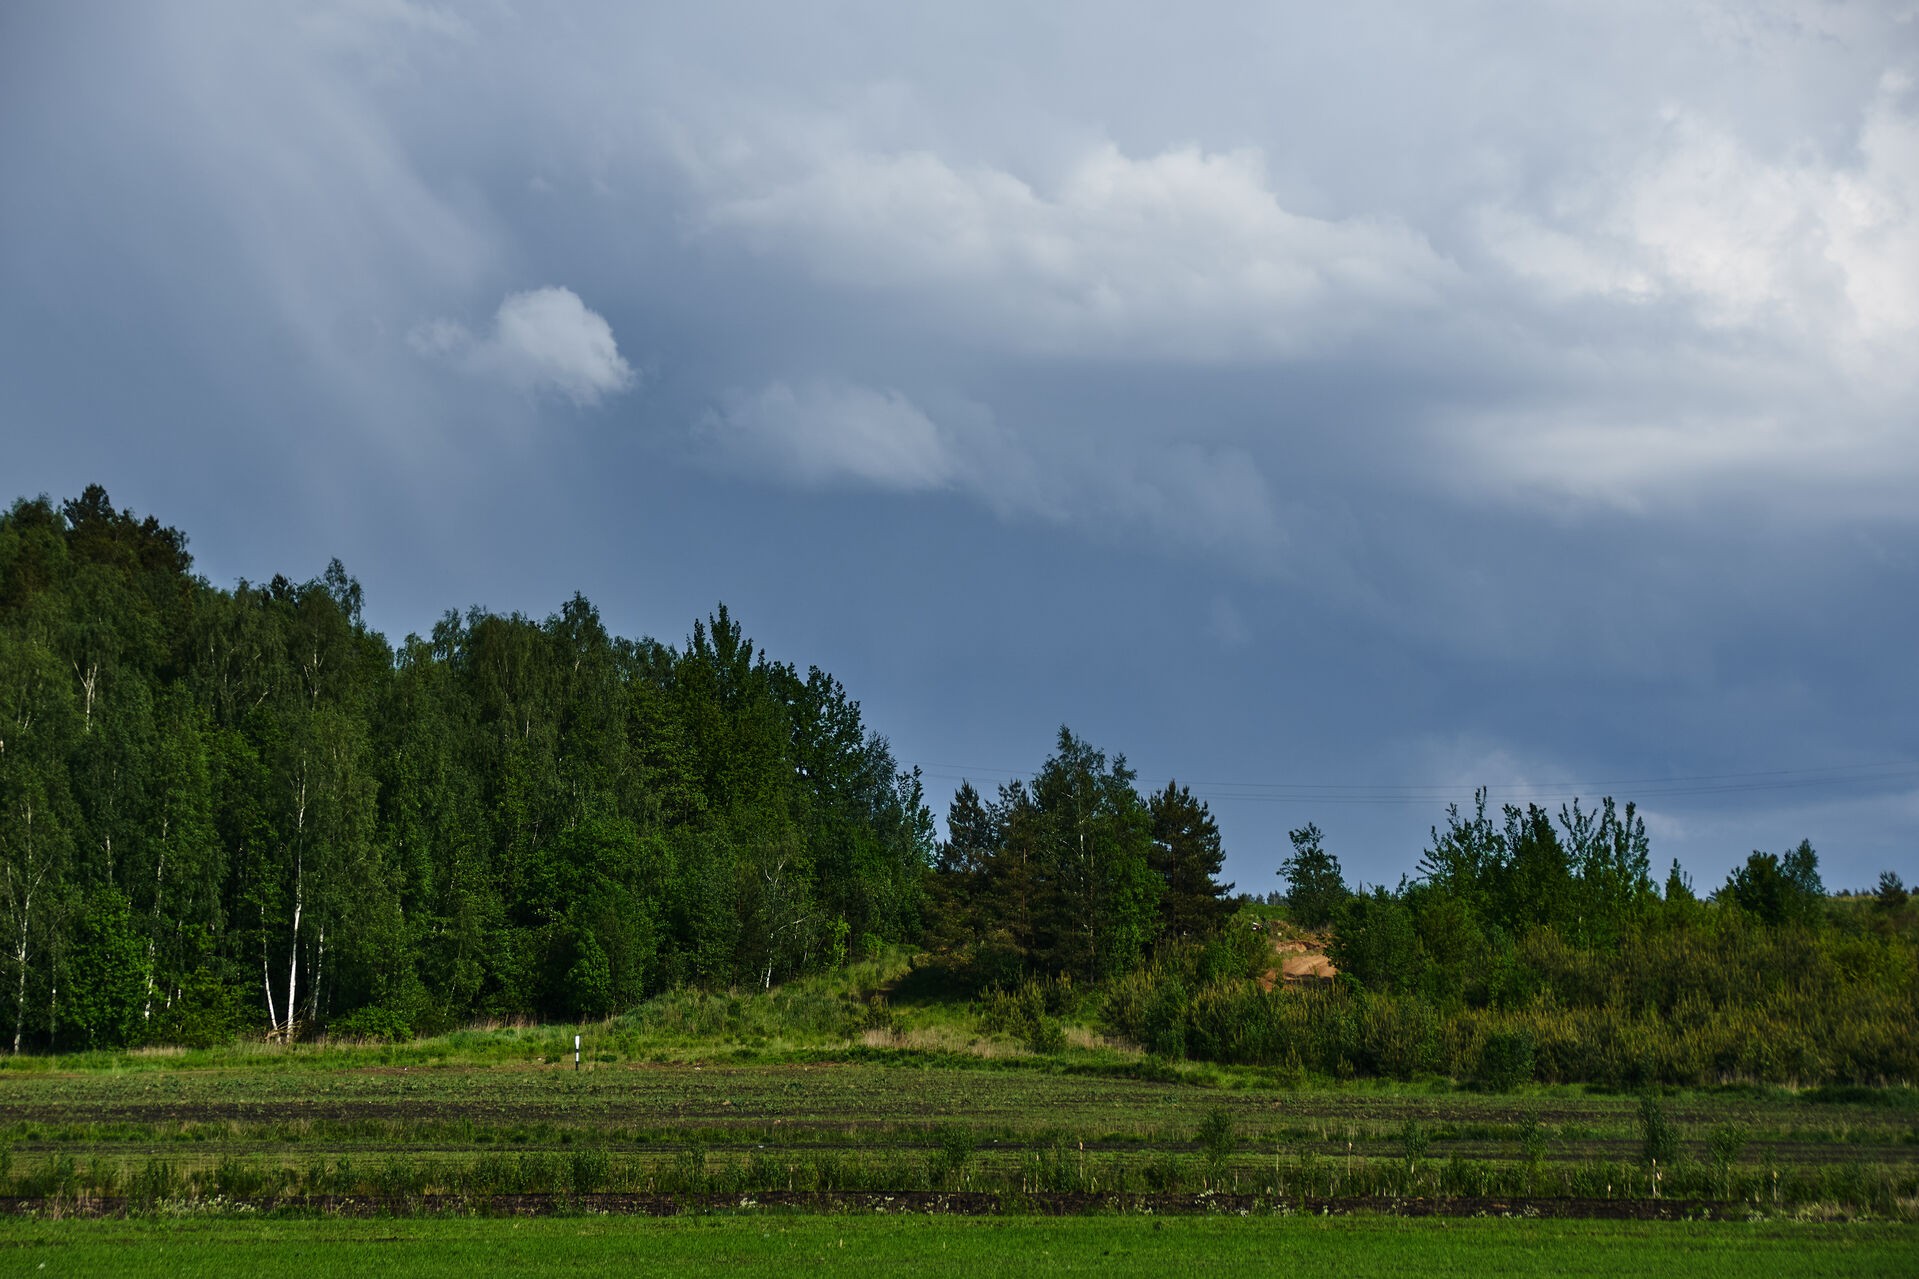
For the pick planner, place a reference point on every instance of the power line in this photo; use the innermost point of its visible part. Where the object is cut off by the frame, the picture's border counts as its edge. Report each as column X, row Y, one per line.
column 1693, row 785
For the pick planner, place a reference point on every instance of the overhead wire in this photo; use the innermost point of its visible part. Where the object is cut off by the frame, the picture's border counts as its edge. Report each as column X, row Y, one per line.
column 1399, row 794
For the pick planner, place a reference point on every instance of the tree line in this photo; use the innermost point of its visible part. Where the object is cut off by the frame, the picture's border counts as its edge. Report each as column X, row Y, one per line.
column 228, row 810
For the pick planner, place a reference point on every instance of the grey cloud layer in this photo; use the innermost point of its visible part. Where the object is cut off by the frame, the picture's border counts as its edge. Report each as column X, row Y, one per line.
column 1391, row 316
column 1745, row 270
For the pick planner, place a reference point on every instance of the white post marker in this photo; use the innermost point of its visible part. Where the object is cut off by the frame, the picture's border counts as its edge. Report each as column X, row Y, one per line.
column 576, row 1052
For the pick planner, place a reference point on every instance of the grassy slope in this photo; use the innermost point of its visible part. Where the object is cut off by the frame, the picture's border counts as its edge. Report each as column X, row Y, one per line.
column 866, row 1246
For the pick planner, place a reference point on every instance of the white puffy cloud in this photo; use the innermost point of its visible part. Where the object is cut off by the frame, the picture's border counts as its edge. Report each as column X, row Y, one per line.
column 1692, row 302
column 1184, row 254
column 1823, row 248
column 1747, row 318
column 542, row 340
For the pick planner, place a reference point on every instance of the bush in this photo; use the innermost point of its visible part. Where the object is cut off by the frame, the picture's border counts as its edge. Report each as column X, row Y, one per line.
column 588, row 1171
column 1415, row 1139
column 1532, row 1139
column 953, row 1146
column 1658, row 1136
column 877, row 1015
column 1162, row 1028
column 1022, row 1013
column 1727, row 1144
column 105, row 987
column 1217, row 1137
column 204, row 1014
column 1505, row 1060
column 374, row 1023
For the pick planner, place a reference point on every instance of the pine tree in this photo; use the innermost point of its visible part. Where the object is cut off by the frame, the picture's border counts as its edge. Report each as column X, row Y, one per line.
column 1187, row 856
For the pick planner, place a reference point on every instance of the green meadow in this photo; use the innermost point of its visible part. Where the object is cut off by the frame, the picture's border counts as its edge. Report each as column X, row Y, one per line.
column 749, row 1245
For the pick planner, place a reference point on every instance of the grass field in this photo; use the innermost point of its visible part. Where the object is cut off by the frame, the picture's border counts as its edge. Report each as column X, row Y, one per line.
column 446, row 1135
column 699, row 1107
column 746, row 1245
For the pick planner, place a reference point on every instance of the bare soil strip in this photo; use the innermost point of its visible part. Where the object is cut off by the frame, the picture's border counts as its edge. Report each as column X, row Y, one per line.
column 923, row 1202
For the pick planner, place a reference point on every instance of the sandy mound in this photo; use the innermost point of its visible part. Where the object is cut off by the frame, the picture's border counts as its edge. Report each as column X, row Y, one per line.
column 1302, row 961
column 1308, row 968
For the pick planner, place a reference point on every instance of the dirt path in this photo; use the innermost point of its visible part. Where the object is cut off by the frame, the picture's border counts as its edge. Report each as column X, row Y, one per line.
column 955, row 1203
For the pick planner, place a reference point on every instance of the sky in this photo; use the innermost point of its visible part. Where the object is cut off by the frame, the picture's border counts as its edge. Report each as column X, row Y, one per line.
column 1333, row 407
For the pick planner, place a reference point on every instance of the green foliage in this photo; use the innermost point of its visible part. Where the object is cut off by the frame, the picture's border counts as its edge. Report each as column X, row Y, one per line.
column 1090, row 838
column 1415, row 1139
column 953, row 1147
column 588, row 1171
column 1028, row 1013
column 1505, row 1060
column 1658, row 1136
column 204, row 1011
column 1532, row 1139
column 229, row 811
column 1727, row 1143
column 1218, row 1136
column 1316, row 889
column 1702, row 1001
column 1375, row 942
column 104, row 967
column 372, row 1023
column 589, row 982
column 1073, row 874
column 1778, row 890
column 1187, row 857
column 243, row 809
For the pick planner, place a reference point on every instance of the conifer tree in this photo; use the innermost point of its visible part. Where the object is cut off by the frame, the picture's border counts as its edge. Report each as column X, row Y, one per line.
column 1187, row 856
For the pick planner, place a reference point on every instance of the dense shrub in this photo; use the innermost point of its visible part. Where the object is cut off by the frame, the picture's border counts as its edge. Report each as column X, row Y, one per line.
column 1028, row 1013
column 1710, row 997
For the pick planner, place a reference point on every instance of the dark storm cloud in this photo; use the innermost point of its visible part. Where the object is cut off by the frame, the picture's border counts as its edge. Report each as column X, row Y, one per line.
column 1517, row 394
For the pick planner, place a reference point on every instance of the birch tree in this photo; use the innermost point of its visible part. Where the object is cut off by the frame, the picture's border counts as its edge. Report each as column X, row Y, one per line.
column 36, row 715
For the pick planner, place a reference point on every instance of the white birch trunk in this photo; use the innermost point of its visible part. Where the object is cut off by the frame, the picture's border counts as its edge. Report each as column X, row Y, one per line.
column 293, row 965
column 20, row 1000
column 159, row 893
column 29, row 881
column 299, row 901
column 89, row 682
column 319, row 970
column 266, row 983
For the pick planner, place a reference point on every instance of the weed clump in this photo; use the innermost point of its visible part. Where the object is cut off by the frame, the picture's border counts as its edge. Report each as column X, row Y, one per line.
column 1026, row 1013
column 1658, row 1136
column 1218, row 1138
column 954, row 1145
column 1415, row 1139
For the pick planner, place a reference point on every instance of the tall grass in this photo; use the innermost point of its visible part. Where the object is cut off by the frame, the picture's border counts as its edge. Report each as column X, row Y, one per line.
column 1062, row 1166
